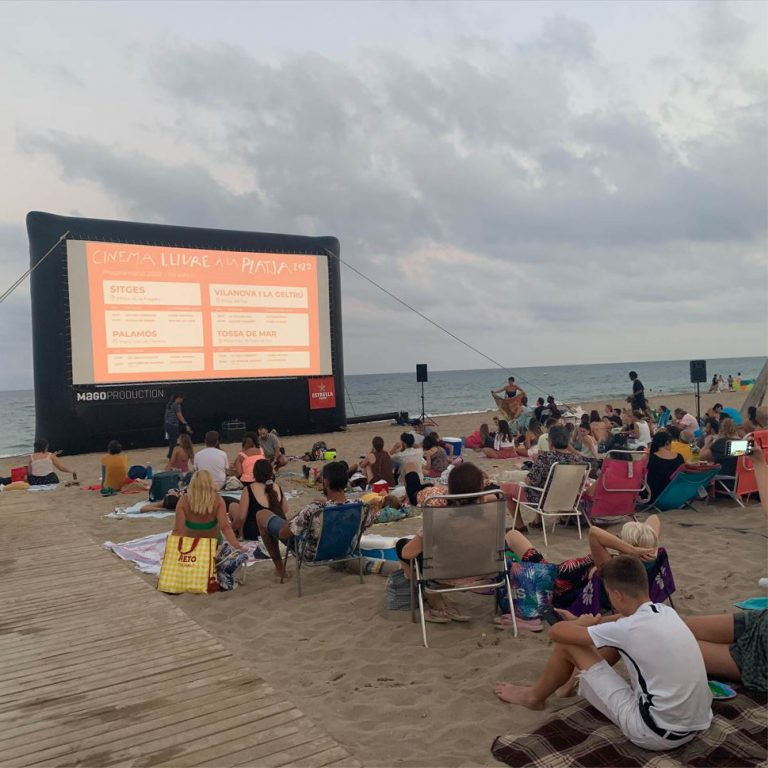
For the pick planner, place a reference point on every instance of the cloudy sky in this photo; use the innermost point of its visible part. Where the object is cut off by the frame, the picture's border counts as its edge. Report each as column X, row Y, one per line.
column 557, row 183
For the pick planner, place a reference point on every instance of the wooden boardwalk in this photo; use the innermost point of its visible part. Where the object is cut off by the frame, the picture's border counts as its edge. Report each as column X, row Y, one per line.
column 99, row 669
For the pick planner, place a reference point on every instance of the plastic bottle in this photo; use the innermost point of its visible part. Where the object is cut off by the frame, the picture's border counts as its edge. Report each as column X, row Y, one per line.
column 149, row 471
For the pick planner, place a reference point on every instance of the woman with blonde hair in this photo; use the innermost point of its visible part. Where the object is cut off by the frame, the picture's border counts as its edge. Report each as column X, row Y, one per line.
column 202, row 514
column 183, row 454
column 638, row 539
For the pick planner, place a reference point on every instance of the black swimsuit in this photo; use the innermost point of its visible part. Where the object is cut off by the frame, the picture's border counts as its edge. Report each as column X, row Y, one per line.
column 250, row 527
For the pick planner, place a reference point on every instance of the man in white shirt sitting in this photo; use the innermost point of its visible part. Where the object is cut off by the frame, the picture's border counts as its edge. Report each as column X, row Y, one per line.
column 685, row 420
column 417, row 433
column 408, row 455
column 213, row 459
column 667, row 701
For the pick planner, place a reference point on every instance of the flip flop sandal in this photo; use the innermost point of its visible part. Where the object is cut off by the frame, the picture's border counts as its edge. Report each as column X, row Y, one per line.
column 435, row 618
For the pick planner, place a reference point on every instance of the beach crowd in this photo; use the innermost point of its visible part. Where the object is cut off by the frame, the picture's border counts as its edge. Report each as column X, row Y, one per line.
column 667, row 700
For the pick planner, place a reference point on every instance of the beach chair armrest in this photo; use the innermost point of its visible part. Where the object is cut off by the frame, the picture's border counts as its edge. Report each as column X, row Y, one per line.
column 534, row 487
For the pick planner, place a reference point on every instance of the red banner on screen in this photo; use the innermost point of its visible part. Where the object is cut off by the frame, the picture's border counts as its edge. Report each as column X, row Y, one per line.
column 322, row 393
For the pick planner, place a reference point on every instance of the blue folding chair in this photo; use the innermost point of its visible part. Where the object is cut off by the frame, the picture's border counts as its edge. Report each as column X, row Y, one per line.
column 683, row 488
column 341, row 527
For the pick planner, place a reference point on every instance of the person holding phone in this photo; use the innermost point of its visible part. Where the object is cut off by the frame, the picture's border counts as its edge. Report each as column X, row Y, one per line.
column 717, row 451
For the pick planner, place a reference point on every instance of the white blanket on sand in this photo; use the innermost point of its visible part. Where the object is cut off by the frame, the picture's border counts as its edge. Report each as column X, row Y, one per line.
column 146, row 553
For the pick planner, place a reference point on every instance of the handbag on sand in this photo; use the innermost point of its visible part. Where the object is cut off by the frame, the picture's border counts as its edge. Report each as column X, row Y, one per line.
column 189, row 565
column 162, row 482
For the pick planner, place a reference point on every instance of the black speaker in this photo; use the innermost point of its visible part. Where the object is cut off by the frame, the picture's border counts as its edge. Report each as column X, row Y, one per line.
column 698, row 371
column 421, row 372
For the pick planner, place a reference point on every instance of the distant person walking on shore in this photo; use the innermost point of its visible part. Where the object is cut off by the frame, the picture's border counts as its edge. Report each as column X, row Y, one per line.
column 637, row 399
column 174, row 423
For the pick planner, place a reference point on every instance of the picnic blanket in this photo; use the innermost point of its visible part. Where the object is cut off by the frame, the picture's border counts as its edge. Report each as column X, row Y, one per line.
column 578, row 735
column 146, row 553
column 37, row 488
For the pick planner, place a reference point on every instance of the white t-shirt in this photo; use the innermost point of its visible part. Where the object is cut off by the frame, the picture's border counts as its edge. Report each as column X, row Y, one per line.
column 215, row 461
column 409, row 456
column 665, row 665
column 418, row 440
column 689, row 422
column 543, row 442
column 500, row 444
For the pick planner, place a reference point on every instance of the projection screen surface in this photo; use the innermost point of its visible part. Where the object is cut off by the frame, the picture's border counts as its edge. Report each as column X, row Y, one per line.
column 143, row 313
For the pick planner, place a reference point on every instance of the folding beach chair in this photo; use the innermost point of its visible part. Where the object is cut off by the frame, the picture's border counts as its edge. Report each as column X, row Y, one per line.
column 661, row 586
column 742, row 483
column 559, row 497
column 461, row 542
column 683, row 488
column 341, row 527
column 618, row 487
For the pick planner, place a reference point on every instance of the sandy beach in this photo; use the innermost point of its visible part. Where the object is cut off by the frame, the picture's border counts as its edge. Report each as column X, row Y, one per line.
column 359, row 671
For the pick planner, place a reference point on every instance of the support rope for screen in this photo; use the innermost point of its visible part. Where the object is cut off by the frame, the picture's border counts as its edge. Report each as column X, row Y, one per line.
column 18, row 282
column 434, row 322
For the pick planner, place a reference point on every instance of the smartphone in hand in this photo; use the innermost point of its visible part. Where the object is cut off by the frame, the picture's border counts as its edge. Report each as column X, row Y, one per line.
column 550, row 615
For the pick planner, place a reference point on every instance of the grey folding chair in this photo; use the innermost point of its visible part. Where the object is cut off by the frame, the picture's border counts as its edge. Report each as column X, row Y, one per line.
column 462, row 541
column 560, row 496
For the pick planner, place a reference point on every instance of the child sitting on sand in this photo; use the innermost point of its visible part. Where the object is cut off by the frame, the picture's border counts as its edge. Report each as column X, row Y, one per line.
column 667, row 701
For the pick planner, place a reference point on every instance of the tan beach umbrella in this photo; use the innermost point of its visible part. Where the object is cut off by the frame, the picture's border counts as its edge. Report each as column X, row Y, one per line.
column 758, row 395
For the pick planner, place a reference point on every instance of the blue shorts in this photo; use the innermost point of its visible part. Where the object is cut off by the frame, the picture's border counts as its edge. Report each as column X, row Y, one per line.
column 274, row 526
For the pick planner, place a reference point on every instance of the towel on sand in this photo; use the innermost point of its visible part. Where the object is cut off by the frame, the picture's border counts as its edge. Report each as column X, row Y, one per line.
column 146, row 553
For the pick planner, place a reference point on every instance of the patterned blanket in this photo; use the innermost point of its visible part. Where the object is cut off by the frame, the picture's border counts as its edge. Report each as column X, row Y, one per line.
column 578, row 735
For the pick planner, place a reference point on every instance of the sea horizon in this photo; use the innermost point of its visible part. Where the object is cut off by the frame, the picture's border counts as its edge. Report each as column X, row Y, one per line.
column 453, row 392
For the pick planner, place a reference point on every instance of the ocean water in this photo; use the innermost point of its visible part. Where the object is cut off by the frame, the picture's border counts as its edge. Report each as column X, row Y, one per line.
column 450, row 392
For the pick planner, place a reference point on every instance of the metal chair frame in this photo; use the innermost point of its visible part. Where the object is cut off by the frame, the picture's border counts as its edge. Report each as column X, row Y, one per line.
column 537, row 507
column 301, row 545
column 420, row 584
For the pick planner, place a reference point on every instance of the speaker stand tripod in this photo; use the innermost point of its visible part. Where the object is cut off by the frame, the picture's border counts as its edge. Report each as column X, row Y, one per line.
column 698, row 403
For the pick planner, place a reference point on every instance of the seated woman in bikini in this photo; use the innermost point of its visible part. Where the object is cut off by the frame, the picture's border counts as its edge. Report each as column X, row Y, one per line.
column 41, row 466
column 183, row 455
column 202, row 514
column 436, row 460
column 464, row 478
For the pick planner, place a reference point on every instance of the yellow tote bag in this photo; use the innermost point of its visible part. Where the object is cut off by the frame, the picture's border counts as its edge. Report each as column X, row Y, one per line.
column 189, row 565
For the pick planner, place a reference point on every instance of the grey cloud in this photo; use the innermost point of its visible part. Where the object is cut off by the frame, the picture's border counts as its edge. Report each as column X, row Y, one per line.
column 467, row 150
column 567, row 217
column 568, row 39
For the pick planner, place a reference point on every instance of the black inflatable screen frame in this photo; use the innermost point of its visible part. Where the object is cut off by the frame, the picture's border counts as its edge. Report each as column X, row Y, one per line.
column 77, row 419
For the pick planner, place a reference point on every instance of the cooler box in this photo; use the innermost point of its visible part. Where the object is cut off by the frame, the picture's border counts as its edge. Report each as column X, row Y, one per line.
column 380, row 486
column 379, row 547
column 232, row 431
column 455, row 443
